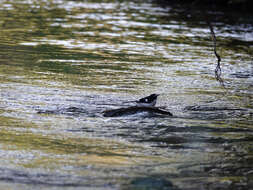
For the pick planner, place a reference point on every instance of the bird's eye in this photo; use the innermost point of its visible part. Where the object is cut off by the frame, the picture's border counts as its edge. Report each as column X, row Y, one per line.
column 146, row 100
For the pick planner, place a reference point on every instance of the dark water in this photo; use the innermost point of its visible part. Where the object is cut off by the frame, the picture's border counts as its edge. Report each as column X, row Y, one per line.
column 94, row 56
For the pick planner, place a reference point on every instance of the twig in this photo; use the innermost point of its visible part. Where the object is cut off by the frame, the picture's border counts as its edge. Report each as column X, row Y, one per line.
column 218, row 68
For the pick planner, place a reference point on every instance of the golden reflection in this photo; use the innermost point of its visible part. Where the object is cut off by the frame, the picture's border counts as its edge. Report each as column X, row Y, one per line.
column 52, row 151
column 69, row 53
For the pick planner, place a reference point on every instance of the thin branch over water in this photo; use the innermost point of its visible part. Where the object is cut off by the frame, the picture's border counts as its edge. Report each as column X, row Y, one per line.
column 218, row 68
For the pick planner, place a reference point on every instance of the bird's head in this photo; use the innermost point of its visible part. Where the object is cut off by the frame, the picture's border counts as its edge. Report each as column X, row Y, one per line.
column 154, row 95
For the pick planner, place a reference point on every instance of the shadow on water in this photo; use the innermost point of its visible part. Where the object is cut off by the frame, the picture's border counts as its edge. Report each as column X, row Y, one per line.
column 63, row 63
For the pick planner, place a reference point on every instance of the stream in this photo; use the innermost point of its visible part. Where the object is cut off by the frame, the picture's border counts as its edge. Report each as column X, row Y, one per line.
column 63, row 63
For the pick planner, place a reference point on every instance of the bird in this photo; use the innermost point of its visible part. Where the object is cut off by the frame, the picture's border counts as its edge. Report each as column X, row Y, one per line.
column 148, row 101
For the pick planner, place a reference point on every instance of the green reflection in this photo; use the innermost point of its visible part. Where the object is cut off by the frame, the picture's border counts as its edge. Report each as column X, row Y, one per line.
column 119, row 48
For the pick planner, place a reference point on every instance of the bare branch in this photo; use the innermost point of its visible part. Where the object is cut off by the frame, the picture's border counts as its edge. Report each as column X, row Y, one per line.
column 218, row 68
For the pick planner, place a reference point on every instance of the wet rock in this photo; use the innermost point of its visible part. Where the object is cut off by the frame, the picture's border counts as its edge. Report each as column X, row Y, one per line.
column 134, row 110
column 211, row 108
column 206, row 112
column 151, row 183
column 66, row 111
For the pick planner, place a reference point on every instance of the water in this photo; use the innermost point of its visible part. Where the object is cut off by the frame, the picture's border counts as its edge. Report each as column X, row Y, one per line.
column 72, row 60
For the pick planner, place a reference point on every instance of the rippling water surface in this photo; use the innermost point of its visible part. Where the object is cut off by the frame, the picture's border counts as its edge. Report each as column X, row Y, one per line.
column 62, row 63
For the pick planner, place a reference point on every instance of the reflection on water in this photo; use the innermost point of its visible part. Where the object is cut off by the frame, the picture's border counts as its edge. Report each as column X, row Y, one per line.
column 94, row 56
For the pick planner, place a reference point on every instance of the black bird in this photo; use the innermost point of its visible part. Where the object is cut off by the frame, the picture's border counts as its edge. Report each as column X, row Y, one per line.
column 148, row 101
